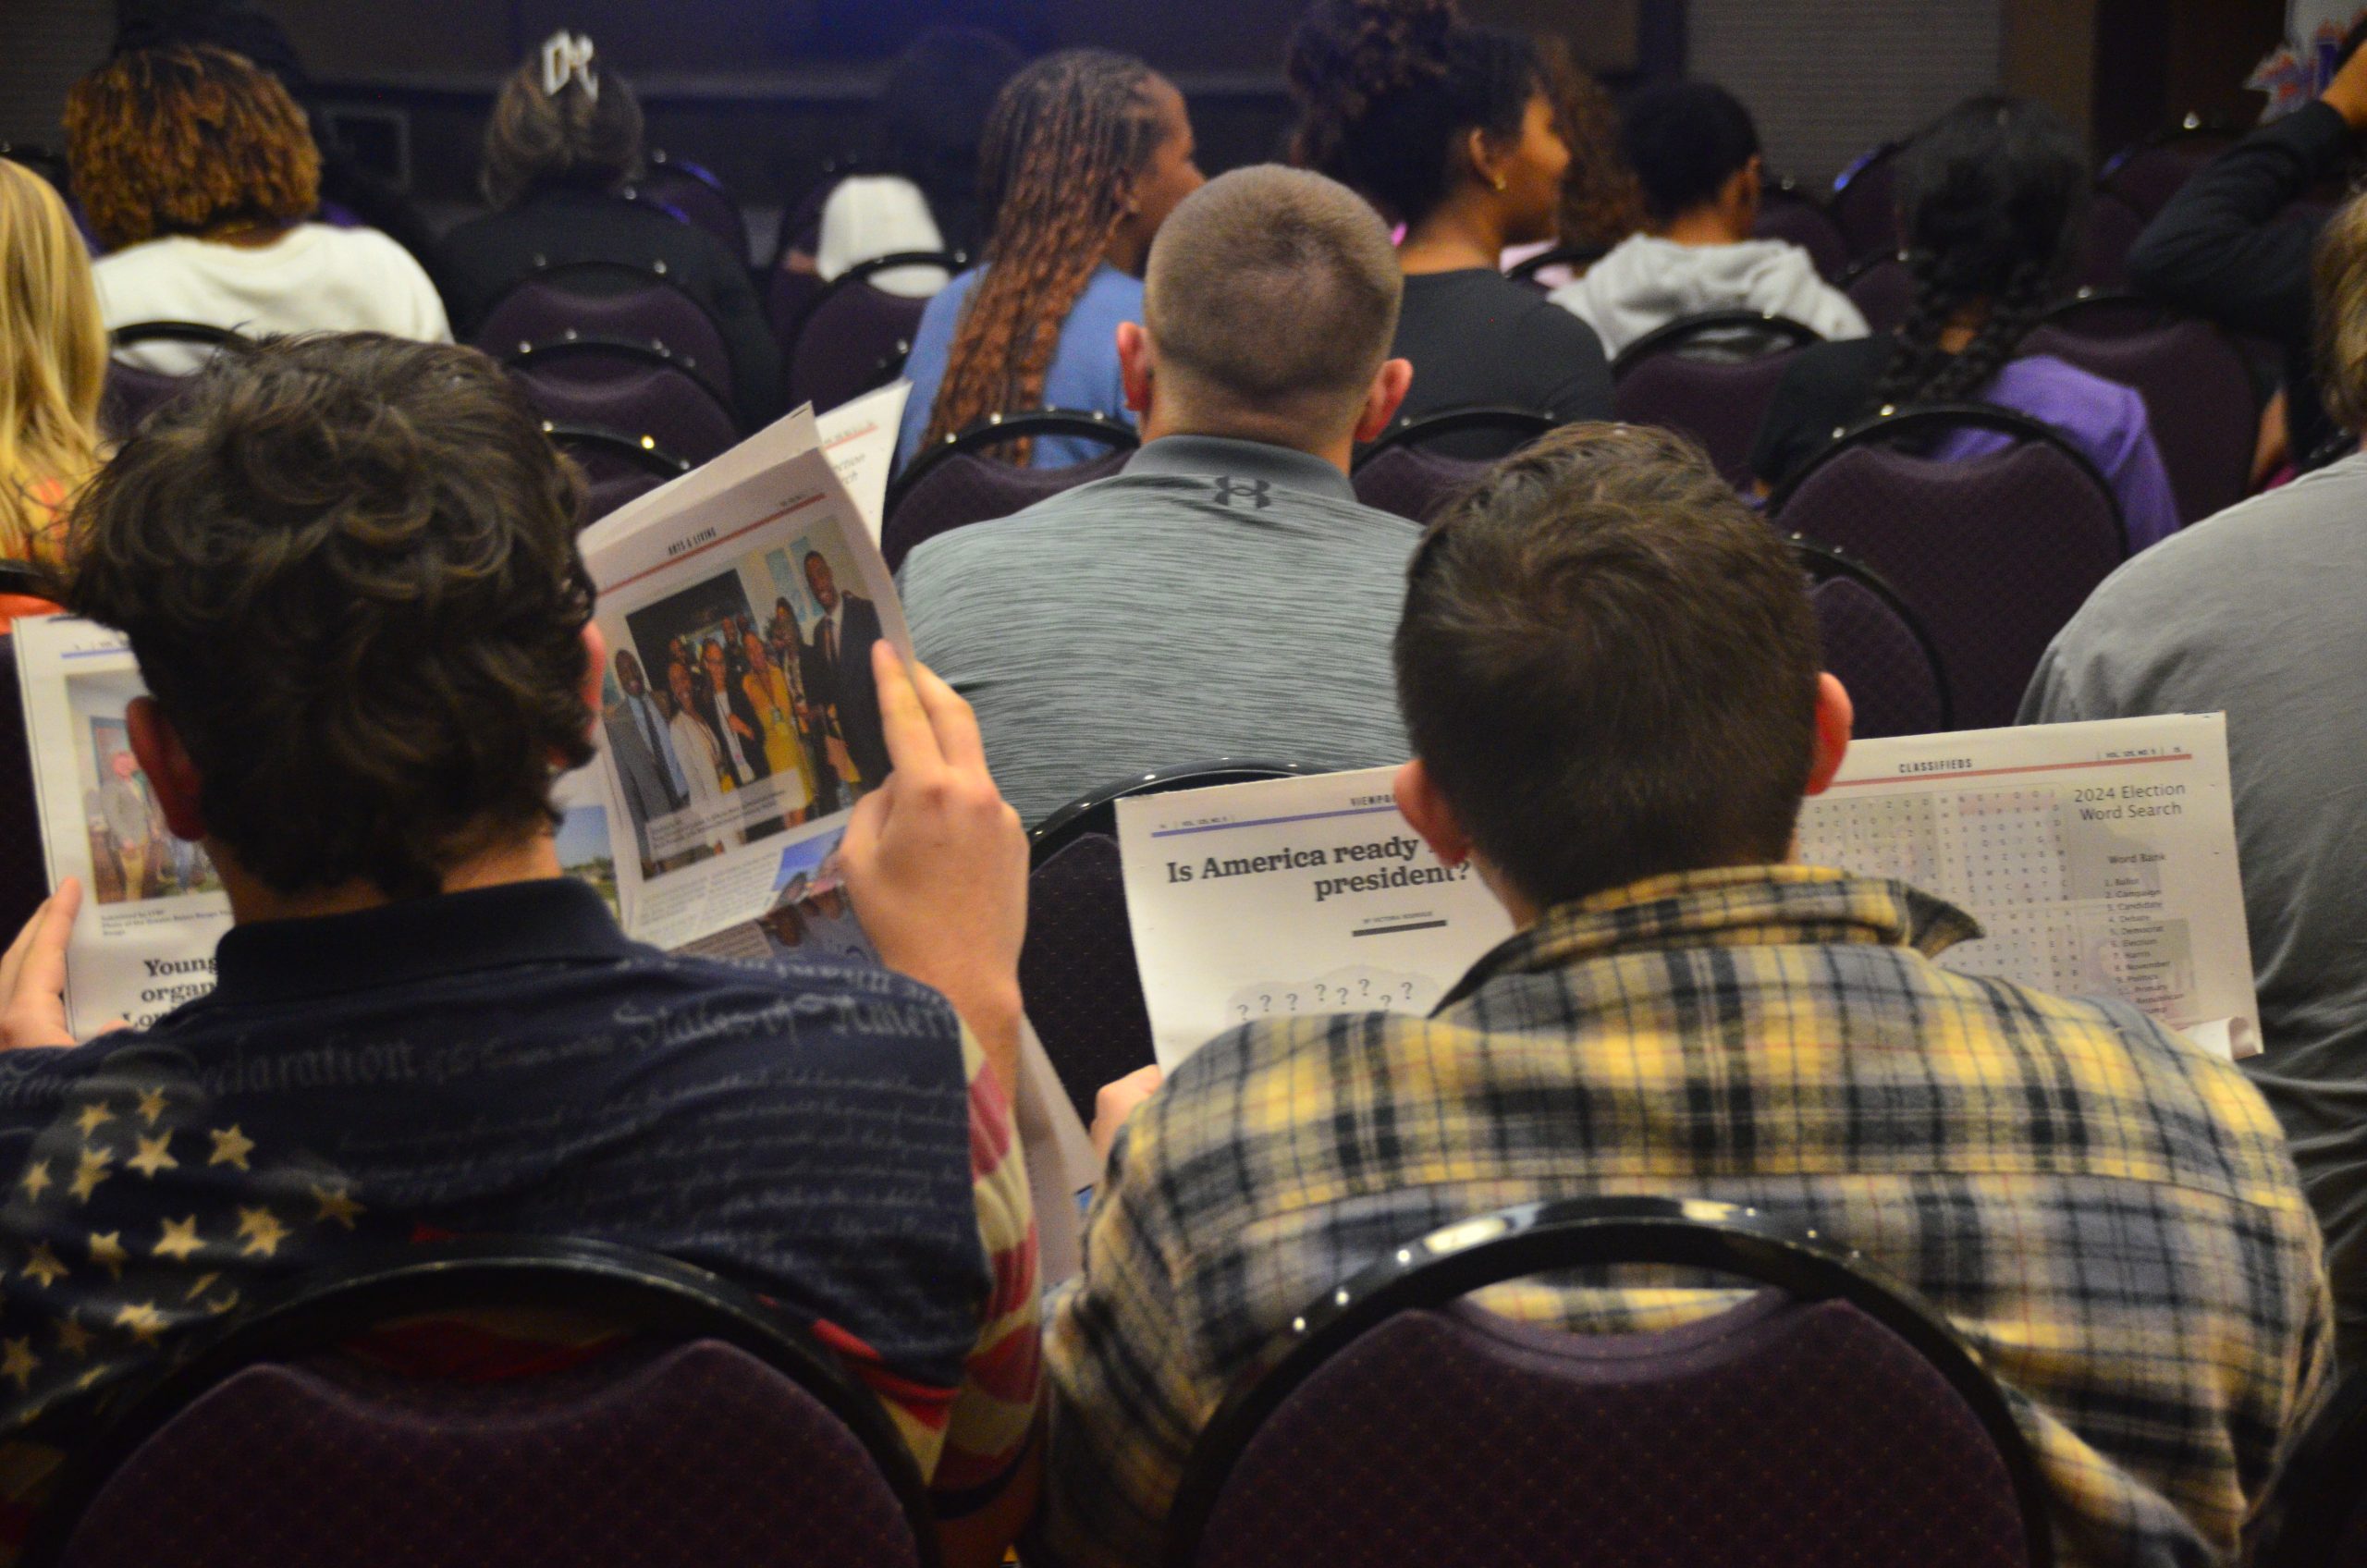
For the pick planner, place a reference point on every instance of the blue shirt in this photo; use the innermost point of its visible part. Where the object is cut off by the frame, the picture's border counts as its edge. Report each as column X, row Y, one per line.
column 1083, row 375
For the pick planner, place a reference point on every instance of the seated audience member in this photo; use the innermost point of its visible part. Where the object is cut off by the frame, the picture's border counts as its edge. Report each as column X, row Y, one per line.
column 1602, row 202
column 1084, row 156
column 1991, row 201
column 1609, row 671
column 564, row 140
column 2252, row 613
column 347, row 567
column 1140, row 621
column 2225, row 248
column 1695, row 152
column 1449, row 129
column 199, row 174
column 53, row 368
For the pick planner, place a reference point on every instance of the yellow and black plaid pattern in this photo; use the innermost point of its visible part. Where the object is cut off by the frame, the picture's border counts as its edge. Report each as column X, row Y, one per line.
column 2105, row 1211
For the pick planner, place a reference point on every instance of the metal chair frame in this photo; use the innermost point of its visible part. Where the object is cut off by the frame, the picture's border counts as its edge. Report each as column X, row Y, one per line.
column 647, row 1292
column 2066, row 312
column 1931, row 419
column 951, row 262
column 1559, row 256
column 1673, row 337
column 1096, row 810
column 653, row 275
column 174, row 332
column 1528, row 423
column 995, row 429
column 642, row 451
column 1431, row 1271
column 1824, row 563
column 650, row 351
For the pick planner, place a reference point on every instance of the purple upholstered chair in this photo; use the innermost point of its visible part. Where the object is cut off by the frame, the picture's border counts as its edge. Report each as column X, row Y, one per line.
column 1827, row 1418
column 635, row 388
column 2105, row 313
column 1501, row 429
column 610, row 301
column 2147, row 174
column 133, row 392
column 2318, row 1511
column 698, row 197
column 24, row 880
column 1865, row 201
column 1411, row 483
column 2112, row 231
column 854, row 337
column 1882, row 290
column 2197, row 395
column 718, row 1435
column 1989, row 523
column 1876, row 644
column 1076, row 970
column 1710, row 377
column 954, row 483
column 1790, row 211
column 617, row 468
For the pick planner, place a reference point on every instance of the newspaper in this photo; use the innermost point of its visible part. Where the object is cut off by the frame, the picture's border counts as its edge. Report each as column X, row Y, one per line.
column 861, row 440
column 1291, row 896
column 2099, row 858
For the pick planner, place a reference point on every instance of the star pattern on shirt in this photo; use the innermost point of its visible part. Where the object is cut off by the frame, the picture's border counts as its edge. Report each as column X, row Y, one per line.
column 179, row 1240
column 153, row 1156
column 231, row 1147
column 73, row 1339
column 36, row 1179
column 94, row 1168
column 95, row 1116
column 141, row 1320
column 261, row 1231
column 151, row 1105
column 20, row 1362
column 106, row 1252
column 337, row 1205
column 41, row 1265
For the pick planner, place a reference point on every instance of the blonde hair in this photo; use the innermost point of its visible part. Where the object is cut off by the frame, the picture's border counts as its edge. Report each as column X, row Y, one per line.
column 53, row 362
column 2341, row 286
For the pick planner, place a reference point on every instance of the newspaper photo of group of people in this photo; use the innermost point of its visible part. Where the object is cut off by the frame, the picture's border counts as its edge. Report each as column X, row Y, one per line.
column 134, row 856
column 713, row 698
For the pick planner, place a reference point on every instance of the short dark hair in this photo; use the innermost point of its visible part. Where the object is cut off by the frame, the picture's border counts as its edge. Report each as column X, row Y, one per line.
column 1685, row 140
column 1609, row 665
column 347, row 565
column 569, row 139
column 1275, row 290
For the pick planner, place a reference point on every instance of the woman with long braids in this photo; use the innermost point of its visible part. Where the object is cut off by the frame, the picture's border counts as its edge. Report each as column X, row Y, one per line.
column 1084, row 156
column 1450, row 129
column 1992, row 200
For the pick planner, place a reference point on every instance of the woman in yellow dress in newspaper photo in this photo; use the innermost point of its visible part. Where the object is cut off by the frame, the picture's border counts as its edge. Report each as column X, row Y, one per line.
column 775, row 706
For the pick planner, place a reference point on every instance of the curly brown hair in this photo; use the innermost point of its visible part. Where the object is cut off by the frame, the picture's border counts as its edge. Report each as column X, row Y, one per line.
column 1065, row 135
column 1602, row 202
column 347, row 565
column 183, row 140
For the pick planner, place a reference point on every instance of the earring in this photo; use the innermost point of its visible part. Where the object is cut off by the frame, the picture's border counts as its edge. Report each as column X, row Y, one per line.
column 1500, row 182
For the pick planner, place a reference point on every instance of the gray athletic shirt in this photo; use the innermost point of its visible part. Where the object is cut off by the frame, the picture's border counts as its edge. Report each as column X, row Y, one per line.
column 2261, row 611
column 1216, row 598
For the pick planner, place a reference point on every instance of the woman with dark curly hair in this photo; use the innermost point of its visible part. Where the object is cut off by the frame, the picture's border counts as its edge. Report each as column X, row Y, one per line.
column 1084, row 156
column 1992, row 199
column 1450, row 129
column 199, row 172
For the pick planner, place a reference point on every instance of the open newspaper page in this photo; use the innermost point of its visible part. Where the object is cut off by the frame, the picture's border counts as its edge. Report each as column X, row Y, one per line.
column 1291, row 896
column 740, row 717
column 860, row 439
column 2100, row 858
column 152, row 906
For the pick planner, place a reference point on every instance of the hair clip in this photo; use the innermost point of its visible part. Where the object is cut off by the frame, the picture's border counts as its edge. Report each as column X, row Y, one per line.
column 567, row 57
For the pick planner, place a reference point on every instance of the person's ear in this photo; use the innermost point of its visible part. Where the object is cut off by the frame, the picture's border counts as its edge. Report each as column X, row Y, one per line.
column 1834, row 714
column 1426, row 812
column 173, row 777
column 1135, row 365
column 1390, row 385
column 595, row 665
column 1480, row 148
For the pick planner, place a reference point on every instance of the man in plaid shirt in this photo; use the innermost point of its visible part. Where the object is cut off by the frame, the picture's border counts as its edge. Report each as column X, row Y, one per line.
column 1610, row 672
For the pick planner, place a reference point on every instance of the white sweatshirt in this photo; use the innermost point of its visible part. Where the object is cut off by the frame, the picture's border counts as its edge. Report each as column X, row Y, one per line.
column 1647, row 282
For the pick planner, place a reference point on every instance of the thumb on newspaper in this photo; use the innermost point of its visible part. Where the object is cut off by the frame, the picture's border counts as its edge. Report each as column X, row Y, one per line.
column 33, row 975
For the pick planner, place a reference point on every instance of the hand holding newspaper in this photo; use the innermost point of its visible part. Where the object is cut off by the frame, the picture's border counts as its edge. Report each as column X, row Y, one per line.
column 2099, row 858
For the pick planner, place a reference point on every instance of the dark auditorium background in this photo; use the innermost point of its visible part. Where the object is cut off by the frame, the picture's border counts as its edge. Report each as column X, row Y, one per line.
column 765, row 91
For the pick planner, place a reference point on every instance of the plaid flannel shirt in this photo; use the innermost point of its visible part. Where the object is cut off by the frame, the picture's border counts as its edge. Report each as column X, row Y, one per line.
column 2106, row 1212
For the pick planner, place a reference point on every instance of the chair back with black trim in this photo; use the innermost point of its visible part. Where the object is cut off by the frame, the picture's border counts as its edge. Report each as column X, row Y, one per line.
column 1829, row 1416
column 1987, row 523
column 2198, row 399
column 1510, row 428
column 617, row 467
column 854, row 337
column 1882, row 290
column 1411, row 483
column 133, row 392
column 1710, row 377
column 714, row 1433
column 1077, row 970
column 618, row 383
column 1790, row 211
column 611, row 300
column 1865, row 201
column 698, row 197
column 24, row 875
column 2317, row 1510
column 1876, row 644
column 1575, row 257
column 955, row 484
column 2105, row 313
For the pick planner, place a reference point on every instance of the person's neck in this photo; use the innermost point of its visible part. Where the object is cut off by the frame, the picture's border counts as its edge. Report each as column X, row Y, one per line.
column 252, row 902
column 1127, row 252
column 1338, row 451
column 1462, row 233
column 1703, row 226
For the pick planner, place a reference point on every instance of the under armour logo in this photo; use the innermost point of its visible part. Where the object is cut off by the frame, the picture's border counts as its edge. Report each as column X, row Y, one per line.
column 1255, row 490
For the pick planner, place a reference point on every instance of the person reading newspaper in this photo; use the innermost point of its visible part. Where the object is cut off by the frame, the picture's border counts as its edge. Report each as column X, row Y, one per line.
column 1609, row 670
column 347, row 568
